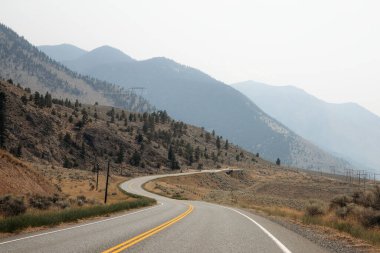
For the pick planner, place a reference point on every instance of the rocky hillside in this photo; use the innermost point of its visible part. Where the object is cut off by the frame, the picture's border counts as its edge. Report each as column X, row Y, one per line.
column 196, row 98
column 42, row 129
column 24, row 63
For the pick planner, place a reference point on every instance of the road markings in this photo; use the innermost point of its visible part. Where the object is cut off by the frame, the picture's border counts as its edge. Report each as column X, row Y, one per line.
column 80, row 226
column 279, row 244
column 123, row 246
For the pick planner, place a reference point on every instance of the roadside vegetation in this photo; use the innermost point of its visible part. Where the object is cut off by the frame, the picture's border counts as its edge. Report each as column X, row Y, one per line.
column 51, row 218
column 71, row 196
column 306, row 198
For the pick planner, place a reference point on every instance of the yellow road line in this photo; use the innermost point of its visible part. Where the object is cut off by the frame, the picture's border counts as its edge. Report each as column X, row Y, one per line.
column 123, row 246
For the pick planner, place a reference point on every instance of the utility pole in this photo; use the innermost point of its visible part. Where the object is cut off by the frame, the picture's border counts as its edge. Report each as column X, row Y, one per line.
column 97, row 175
column 106, row 191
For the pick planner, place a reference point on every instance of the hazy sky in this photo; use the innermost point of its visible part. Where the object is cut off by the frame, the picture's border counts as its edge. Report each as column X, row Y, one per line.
column 330, row 48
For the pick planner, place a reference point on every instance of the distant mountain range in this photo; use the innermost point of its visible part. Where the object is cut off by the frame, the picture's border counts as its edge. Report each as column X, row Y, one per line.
column 25, row 64
column 347, row 130
column 196, row 98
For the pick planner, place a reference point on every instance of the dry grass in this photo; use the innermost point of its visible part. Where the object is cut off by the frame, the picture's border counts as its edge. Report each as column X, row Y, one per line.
column 20, row 178
column 73, row 183
column 297, row 196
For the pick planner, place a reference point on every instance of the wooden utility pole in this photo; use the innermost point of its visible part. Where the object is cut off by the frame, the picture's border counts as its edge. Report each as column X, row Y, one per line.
column 97, row 175
column 106, row 191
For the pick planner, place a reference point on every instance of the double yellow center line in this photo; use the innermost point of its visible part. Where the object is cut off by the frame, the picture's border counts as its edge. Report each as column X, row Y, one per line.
column 125, row 245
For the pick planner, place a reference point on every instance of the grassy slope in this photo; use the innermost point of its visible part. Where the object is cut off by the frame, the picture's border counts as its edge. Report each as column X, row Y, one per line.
column 277, row 192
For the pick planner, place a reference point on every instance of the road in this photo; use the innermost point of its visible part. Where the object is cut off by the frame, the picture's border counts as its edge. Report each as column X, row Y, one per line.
column 171, row 226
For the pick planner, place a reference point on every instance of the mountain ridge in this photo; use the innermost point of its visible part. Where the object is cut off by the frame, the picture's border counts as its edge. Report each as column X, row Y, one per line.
column 195, row 97
column 24, row 63
column 345, row 129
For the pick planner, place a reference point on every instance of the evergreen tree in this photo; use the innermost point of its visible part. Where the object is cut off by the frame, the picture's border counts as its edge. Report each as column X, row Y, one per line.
column 37, row 98
column 48, row 100
column 226, row 145
column 2, row 118
column 120, row 155
column 24, row 99
column 197, row 154
column 173, row 163
column 189, row 154
column 218, row 142
column 139, row 138
column 135, row 159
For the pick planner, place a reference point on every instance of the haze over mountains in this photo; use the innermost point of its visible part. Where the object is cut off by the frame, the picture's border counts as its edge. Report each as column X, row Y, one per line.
column 25, row 64
column 347, row 130
column 194, row 97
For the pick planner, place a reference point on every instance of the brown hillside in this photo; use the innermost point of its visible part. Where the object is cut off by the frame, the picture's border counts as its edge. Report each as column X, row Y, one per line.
column 18, row 178
column 51, row 131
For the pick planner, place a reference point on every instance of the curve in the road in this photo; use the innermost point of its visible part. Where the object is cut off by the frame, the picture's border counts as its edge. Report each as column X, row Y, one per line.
column 168, row 227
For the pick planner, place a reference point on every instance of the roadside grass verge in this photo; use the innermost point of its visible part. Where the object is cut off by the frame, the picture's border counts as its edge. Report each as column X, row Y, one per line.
column 51, row 218
column 371, row 235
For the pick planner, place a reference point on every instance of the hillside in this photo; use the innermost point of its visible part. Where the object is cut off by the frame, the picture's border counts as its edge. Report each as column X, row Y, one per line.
column 24, row 63
column 45, row 130
column 19, row 177
column 347, row 130
column 196, row 98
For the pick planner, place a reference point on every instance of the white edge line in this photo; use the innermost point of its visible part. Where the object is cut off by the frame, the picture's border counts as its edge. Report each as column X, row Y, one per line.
column 279, row 244
column 79, row 226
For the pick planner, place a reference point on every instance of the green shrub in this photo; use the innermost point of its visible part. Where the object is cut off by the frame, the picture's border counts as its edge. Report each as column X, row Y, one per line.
column 11, row 206
column 368, row 217
column 364, row 198
column 315, row 208
column 340, row 201
column 40, row 202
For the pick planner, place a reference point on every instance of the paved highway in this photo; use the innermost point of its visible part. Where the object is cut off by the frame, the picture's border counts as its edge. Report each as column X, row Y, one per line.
column 171, row 226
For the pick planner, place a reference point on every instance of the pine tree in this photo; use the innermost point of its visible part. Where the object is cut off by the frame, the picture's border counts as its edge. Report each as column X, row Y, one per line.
column 2, row 119
column 120, row 155
column 189, row 154
column 226, row 145
column 173, row 163
column 218, row 142
column 48, row 100
column 135, row 159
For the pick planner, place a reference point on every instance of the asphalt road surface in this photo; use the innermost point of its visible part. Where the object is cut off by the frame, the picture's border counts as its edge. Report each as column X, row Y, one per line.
column 171, row 226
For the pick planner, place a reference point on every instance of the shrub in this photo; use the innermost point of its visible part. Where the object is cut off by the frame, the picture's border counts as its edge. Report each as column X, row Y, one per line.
column 342, row 212
column 367, row 216
column 315, row 208
column 40, row 202
column 12, row 206
column 340, row 201
column 81, row 200
column 366, row 199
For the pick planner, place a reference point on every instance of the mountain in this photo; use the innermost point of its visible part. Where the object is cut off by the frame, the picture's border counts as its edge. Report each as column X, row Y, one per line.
column 194, row 97
column 59, row 132
column 96, row 57
column 25, row 64
column 63, row 52
column 347, row 130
